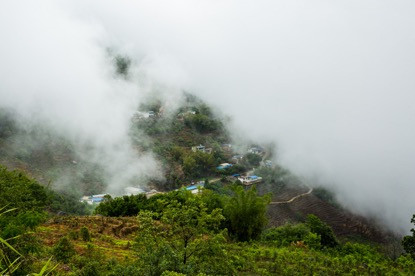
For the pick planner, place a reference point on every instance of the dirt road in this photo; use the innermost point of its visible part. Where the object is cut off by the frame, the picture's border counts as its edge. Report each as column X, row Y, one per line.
column 292, row 199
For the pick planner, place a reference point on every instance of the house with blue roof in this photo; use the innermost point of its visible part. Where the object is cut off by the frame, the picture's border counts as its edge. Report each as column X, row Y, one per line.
column 224, row 166
column 249, row 180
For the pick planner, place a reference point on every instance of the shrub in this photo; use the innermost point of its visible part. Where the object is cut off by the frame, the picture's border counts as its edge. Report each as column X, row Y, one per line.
column 63, row 250
column 73, row 235
column 287, row 234
column 90, row 269
column 85, row 234
column 253, row 159
column 328, row 239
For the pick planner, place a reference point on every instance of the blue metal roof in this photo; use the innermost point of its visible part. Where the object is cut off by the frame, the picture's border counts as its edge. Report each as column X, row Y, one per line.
column 97, row 199
column 194, row 187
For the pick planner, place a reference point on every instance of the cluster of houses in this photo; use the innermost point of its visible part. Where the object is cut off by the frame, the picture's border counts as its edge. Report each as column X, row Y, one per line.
column 194, row 187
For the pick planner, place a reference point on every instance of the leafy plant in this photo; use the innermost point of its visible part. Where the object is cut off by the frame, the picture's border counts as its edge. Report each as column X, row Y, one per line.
column 63, row 250
column 85, row 234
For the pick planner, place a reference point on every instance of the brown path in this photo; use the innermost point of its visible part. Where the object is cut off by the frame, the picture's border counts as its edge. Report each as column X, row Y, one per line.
column 292, row 199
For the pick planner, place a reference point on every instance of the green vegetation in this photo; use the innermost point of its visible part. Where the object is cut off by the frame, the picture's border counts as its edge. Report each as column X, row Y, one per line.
column 220, row 230
column 325, row 232
column 408, row 242
column 245, row 213
column 85, row 234
column 64, row 250
column 180, row 233
column 253, row 159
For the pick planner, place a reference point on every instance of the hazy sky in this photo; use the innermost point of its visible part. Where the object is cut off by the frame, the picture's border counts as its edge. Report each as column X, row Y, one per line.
column 331, row 82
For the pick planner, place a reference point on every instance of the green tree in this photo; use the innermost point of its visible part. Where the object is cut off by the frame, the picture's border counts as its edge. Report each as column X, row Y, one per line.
column 245, row 213
column 122, row 206
column 253, row 159
column 328, row 239
column 408, row 242
column 122, row 64
column 189, row 166
column 187, row 239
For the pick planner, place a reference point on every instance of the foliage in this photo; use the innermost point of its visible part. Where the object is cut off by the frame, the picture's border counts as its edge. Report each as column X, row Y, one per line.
column 26, row 194
column 7, row 124
column 85, row 234
column 8, row 263
column 63, row 250
column 122, row 206
column 252, row 159
column 122, row 65
column 328, row 239
column 17, row 241
column 66, row 203
column 202, row 123
column 245, row 213
column 19, row 191
column 217, row 187
column 408, row 242
column 287, row 234
column 91, row 269
column 187, row 239
column 197, row 164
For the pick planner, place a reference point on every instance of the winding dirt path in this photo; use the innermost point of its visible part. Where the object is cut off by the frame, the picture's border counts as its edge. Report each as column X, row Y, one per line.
column 292, row 199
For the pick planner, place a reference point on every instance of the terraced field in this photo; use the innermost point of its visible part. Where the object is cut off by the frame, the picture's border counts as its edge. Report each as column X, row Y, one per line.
column 302, row 202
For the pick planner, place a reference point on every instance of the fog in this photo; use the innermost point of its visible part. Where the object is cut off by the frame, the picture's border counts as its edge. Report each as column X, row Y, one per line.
column 330, row 82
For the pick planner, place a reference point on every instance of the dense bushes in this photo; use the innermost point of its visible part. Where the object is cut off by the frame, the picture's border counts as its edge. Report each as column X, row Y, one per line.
column 287, row 234
column 132, row 205
column 244, row 210
column 314, row 233
column 202, row 123
column 328, row 239
column 19, row 191
column 63, row 250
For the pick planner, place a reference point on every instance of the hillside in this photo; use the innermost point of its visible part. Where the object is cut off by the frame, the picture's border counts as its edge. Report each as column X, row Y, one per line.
column 249, row 216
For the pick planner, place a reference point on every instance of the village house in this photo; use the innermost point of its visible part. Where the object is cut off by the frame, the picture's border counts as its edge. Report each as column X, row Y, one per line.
column 256, row 150
column 237, row 158
column 224, row 166
column 202, row 149
column 249, row 180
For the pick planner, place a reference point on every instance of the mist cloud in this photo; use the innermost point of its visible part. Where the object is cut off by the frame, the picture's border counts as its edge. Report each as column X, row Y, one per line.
column 331, row 82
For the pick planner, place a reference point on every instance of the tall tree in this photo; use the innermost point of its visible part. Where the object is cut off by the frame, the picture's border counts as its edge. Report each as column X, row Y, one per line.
column 186, row 239
column 245, row 213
